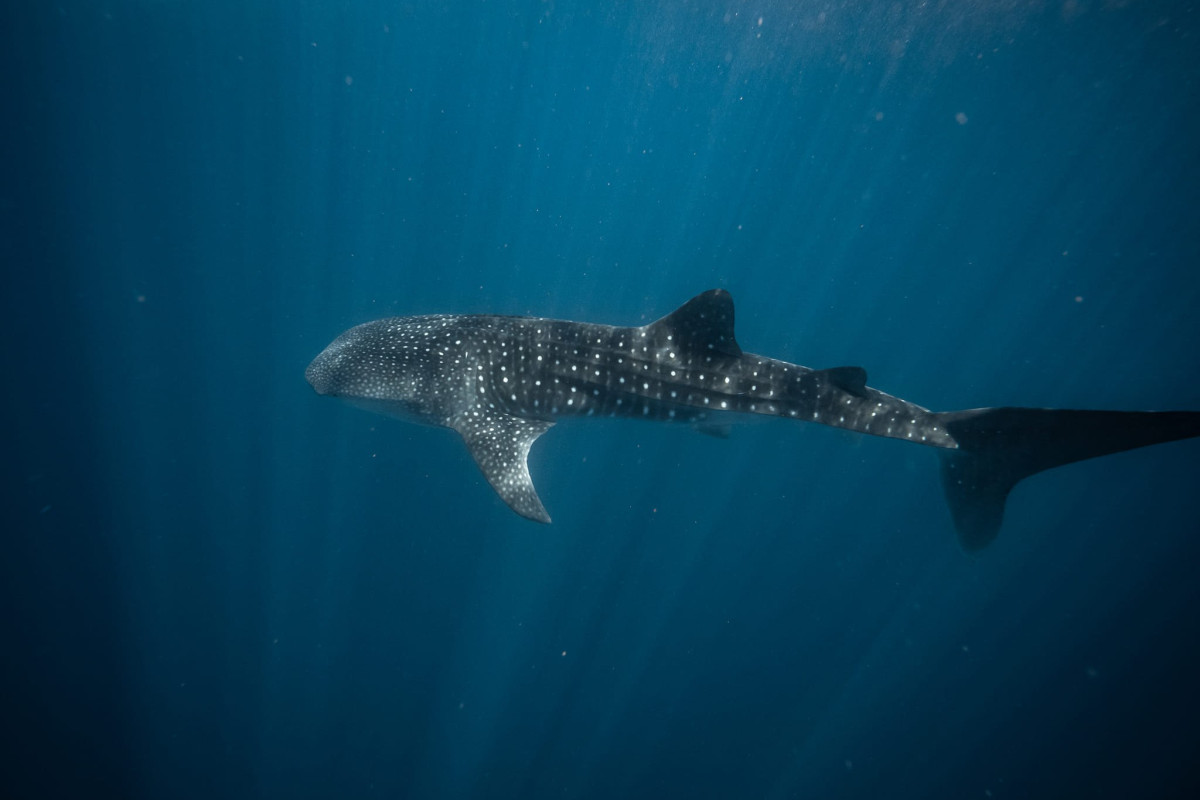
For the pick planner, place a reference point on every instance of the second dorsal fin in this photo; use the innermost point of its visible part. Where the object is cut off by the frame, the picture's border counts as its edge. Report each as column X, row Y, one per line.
column 849, row 379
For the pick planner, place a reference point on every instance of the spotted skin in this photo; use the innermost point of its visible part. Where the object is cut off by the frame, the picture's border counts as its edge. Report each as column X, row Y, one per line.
column 502, row 382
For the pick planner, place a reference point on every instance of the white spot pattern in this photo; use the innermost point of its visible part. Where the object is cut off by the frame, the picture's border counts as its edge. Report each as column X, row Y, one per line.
column 502, row 381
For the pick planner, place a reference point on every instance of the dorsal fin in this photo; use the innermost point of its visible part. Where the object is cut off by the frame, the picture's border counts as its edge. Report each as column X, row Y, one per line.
column 704, row 323
column 852, row 380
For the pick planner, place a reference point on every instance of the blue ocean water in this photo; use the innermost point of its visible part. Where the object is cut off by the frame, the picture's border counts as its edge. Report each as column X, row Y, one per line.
column 218, row 584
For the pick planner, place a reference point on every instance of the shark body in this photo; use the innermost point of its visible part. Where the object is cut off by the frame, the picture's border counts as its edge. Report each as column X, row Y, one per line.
column 502, row 381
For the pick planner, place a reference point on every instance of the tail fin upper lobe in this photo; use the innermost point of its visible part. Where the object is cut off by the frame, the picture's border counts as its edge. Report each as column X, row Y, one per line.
column 998, row 447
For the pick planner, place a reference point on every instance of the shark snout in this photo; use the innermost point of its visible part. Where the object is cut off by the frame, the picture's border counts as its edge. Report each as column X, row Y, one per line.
column 320, row 372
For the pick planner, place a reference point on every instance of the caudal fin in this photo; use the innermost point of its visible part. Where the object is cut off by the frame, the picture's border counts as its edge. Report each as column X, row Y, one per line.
column 998, row 447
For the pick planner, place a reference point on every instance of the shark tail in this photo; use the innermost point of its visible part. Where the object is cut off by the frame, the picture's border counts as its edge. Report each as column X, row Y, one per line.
column 998, row 447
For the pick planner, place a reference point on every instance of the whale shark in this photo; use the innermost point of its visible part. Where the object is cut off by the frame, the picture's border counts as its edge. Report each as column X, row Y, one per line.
column 503, row 381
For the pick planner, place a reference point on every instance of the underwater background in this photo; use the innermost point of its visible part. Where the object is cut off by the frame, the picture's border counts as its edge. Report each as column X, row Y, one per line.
column 217, row 584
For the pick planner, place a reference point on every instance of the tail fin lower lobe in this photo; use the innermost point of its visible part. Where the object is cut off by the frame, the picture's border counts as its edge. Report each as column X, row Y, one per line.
column 998, row 447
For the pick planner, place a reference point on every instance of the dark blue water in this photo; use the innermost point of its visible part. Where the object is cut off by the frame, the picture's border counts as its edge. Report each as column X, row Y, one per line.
column 217, row 584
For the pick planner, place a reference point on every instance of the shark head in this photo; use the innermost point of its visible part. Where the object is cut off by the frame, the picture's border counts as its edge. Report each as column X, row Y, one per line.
column 389, row 366
column 346, row 368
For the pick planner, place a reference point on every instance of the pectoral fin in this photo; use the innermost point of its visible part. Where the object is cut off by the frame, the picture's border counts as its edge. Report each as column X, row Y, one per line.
column 500, row 444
